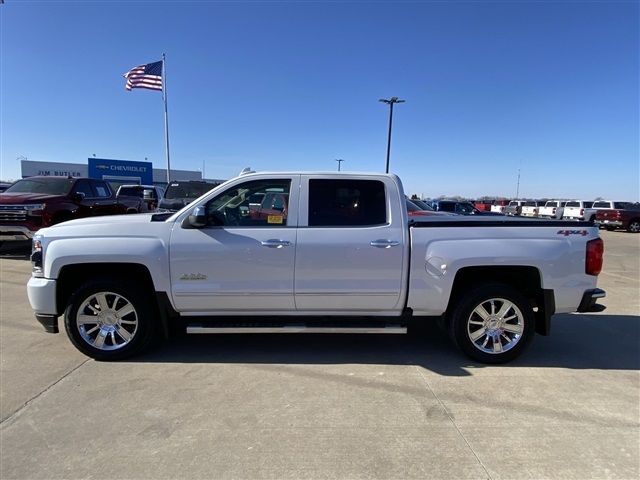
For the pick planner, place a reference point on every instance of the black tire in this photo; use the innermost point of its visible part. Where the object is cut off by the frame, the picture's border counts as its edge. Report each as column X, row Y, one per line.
column 139, row 325
column 610, row 229
column 460, row 330
column 634, row 226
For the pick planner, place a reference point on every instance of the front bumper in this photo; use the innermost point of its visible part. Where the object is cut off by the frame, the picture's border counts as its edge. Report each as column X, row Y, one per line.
column 15, row 233
column 42, row 298
column 589, row 299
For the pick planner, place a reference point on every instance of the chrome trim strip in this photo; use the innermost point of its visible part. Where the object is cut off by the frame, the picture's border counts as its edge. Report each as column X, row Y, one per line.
column 296, row 329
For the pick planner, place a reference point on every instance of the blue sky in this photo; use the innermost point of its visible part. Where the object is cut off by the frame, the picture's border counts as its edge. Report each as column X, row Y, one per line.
column 490, row 87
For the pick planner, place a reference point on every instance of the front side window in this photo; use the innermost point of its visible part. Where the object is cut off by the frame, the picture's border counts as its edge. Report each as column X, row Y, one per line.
column 84, row 187
column 341, row 203
column 236, row 206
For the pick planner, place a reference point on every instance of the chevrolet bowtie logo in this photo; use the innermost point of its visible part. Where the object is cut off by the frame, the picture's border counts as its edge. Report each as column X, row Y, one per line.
column 193, row 276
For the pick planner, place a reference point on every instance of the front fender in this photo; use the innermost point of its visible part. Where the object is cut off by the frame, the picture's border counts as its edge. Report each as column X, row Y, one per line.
column 150, row 252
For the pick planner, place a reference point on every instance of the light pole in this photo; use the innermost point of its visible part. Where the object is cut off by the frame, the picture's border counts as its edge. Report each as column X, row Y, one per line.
column 390, row 102
column 339, row 160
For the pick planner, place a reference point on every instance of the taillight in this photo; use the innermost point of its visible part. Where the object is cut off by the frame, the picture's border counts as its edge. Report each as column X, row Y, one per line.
column 593, row 261
column 554, row 211
column 582, row 212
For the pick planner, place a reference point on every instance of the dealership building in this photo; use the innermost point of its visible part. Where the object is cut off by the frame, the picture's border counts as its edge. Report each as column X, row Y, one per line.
column 117, row 171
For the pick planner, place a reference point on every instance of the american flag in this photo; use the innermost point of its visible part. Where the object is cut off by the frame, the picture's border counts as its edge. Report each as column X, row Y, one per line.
column 145, row 76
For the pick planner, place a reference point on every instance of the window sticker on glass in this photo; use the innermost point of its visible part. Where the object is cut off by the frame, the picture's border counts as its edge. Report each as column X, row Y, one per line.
column 275, row 219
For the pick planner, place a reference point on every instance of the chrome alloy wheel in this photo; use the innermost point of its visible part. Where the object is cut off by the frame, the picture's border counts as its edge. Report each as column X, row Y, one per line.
column 634, row 227
column 107, row 321
column 495, row 325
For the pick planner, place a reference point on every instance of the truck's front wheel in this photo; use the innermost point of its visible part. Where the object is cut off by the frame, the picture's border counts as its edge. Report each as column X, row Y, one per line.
column 492, row 324
column 109, row 320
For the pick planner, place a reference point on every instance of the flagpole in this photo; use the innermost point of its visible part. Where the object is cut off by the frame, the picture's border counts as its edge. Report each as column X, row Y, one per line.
column 166, row 116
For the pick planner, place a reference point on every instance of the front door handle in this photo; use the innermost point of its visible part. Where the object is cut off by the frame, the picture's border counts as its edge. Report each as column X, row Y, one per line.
column 275, row 243
column 384, row 243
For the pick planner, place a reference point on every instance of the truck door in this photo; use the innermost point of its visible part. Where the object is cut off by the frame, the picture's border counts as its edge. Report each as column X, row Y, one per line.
column 104, row 200
column 350, row 255
column 239, row 262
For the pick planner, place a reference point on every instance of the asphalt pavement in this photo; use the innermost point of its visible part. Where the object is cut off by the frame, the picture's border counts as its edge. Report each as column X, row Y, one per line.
column 323, row 406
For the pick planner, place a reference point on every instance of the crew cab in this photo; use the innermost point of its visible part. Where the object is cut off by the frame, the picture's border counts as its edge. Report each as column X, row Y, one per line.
column 575, row 209
column 590, row 212
column 514, row 208
column 35, row 202
column 499, row 206
column 341, row 257
column 530, row 208
column 552, row 209
column 624, row 215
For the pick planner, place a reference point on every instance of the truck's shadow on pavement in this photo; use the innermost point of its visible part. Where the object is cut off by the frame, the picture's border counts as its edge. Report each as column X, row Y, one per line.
column 610, row 342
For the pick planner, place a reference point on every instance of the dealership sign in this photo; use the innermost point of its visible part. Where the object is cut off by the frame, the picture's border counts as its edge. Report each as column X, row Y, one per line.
column 111, row 169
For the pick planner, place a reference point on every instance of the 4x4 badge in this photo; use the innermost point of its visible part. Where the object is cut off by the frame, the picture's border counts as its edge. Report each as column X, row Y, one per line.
column 566, row 233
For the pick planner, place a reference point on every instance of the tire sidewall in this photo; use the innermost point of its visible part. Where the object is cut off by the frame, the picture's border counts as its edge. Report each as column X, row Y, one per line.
column 135, row 295
column 464, row 308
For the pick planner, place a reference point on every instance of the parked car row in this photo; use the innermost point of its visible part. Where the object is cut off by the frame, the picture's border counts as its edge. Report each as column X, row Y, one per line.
column 605, row 213
column 37, row 202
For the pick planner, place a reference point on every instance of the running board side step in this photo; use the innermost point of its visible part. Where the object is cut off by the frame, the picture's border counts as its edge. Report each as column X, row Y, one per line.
column 394, row 329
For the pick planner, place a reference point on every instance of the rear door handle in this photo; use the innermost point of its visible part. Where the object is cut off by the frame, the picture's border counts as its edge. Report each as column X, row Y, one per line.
column 275, row 243
column 384, row 243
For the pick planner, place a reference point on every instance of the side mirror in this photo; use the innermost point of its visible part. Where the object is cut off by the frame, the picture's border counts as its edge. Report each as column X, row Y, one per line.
column 198, row 217
column 77, row 197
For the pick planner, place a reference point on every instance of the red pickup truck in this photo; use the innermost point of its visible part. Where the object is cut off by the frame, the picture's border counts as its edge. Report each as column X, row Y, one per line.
column 623, row 215
column 35, row 202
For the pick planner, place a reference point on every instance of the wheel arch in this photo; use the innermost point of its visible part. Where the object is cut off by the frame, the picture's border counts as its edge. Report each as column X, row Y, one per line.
column 526, row 279
column 72, row 276
column 632, row 220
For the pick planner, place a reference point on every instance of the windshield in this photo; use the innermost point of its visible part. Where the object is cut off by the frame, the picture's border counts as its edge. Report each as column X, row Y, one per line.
column 188, row 189
column 412, row 207
column 46, row 186
column 423, row 205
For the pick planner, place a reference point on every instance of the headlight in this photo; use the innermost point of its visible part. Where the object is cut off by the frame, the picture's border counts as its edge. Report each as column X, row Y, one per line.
column 37, row 254
column 34, row 209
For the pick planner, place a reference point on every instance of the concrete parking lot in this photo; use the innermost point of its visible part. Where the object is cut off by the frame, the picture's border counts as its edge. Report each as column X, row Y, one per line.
column 313, row 406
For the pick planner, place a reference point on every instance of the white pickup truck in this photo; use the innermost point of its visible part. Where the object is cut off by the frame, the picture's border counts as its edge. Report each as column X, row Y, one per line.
column 552, row 209
column 336, row 254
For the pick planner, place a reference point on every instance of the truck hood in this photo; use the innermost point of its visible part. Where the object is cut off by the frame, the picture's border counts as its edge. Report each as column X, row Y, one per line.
column 24, row 198
column 100, row 225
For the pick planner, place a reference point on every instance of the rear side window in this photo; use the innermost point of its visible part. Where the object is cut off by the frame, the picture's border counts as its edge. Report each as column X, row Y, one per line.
column 101, row 189
column 340, row 203
column 588, row 204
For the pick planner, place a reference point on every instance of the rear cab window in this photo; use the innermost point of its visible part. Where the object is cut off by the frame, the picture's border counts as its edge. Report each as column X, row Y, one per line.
column 346, row 203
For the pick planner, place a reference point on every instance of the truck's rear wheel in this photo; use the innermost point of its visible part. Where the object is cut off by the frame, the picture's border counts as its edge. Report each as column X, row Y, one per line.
column 492, row 324
column 109, row 320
